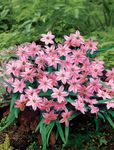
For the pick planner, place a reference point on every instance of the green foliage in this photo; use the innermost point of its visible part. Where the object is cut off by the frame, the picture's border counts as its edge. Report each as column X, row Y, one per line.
column 6, row 144
column 12, row 115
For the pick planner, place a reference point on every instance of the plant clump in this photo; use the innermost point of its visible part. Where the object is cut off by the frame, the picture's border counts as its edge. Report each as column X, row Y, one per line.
column 60, row 81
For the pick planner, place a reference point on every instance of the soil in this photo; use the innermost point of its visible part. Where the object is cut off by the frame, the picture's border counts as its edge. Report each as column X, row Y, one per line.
column 22, row 133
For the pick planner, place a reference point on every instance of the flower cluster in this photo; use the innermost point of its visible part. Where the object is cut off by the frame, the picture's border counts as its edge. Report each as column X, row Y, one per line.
column 59, row 79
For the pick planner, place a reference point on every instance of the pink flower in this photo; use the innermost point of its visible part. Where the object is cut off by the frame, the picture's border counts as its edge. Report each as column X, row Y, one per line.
column 45, row 84
column 60, row 106
column 63, row 50
column 48, row 38
column 53, row 60
column 28, row 75
column 12, row 68
column 65, row 116
column 92, row 101
column 110, row 83
column 18, row 85
column 31, row 91
column 69, row 40
column 103, row 94
column 22, row 63
column 78, row 56
column 52, row 76
column 74, row 70
column 40, row 69
column 91, row 45
column 94, row 109
column 96, row 70
column 74, row 85
column 21, row 102
column 77, row 39
column 34, row 49
column 62, row 75
column 79, row 105
column 94, row 85
column 60, row 94
column 10, row 81
column 110, row 74
column 46, row 104
column 67, row 63
column 85, row 91
column 49, row 116
column 110, row 104
column 34, row 101
column 41, row 61
column 50, row 50
column 23, row 51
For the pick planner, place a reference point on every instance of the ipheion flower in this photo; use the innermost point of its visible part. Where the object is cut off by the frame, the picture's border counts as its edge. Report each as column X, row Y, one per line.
column 45, row 77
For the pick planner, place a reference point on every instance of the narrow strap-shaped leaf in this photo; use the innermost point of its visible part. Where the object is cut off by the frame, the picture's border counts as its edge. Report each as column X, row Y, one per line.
column 14, row 97
column 39, row 124
column 104, row 101
column 103, row 84
column 17, row 111
column 100, row 115
column 49, row 129
column 42, row 94
column 109, row 120
column 69, row 100
column 98, row 51
column 111, row 112
column 43, row 135
column 66, row 133
column 8, row 83
column 11, row 117
column 60, row 131
column 96, row 123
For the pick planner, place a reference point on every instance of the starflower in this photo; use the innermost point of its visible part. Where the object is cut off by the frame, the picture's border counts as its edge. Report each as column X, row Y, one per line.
column 50, row 116
column 19, row 86
column 45, row 84
column 48, row 38
column 65, row 116
column 59, row 94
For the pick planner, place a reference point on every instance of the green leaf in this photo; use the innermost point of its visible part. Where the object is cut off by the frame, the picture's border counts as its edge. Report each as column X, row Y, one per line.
column 14, row 97
column 103, row 84
column 103, row 101
column 50, row 69
column 69, row 100
column 39, row 124
column 100, row 115
column 109, row 119
column 98, row 51
column 48, row 93
column 66, row 133
column 43, row 135
column 8, row 83
column 111, row 112
column 4, row 13
column 49, row 129
column 60, row 131
column 73, row 94
column 96, row 123
column 10, row 119
column 17, row 111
